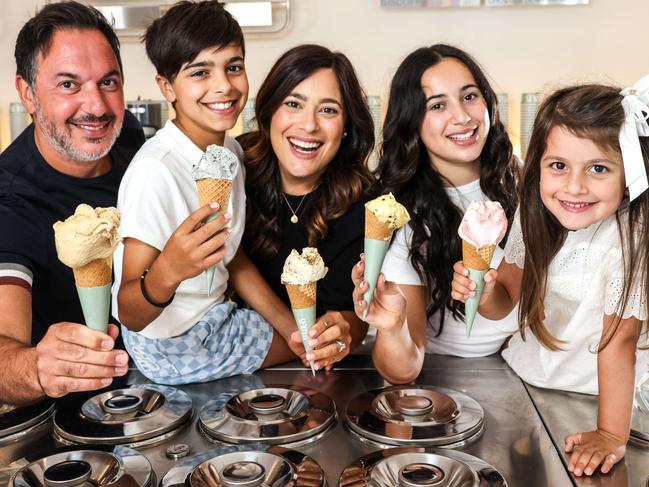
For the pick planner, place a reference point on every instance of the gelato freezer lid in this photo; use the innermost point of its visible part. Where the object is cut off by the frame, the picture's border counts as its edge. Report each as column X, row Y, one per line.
column 420, row 467
column 246, row 466
column 16, row 422
column 117, row 466
column 415, row 415
column 136, row 416
column 276, row 414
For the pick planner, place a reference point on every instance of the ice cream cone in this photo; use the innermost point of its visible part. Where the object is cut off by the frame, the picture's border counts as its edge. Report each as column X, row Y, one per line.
column 93, row 282
column 377, row 241
column 303, row 305
column 302, row 295
column 213, row 190
column 375, row 228
column 477, row 262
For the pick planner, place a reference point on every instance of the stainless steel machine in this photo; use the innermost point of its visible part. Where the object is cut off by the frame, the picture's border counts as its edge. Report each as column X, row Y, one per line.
column 152, row 114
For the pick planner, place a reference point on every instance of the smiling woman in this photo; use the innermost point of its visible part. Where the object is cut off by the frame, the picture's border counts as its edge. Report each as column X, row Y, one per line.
column 307, row 180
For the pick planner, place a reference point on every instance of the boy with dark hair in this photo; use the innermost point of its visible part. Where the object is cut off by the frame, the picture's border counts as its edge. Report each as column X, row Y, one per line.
column 69, row 78
column 175, row 328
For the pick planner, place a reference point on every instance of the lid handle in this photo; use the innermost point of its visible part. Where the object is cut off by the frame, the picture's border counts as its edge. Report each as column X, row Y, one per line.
column 420, row 475
column 122, row 404
column 413, row 405
column 242, row 474
column 267, row 404
column 67, row 474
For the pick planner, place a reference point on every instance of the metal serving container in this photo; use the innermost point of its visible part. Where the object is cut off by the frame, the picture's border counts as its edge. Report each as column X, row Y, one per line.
column 277, row 414
column 98, row 466
column 247, row 466
column 416, row 415
column 140, row 415
column 420, row 467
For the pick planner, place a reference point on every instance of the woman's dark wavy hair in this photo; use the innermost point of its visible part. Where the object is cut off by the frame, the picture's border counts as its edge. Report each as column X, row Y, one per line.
column 405, row 169
column 592, row 112
column 346, row 177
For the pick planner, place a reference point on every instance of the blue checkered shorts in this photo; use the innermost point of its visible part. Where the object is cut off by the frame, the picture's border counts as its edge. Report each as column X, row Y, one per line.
column 226, row 341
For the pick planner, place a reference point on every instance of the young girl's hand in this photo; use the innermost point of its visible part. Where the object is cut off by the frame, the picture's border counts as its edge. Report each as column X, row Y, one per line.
column 592, row 449
column 463, row 288
column 388, row 308
column 194, row 247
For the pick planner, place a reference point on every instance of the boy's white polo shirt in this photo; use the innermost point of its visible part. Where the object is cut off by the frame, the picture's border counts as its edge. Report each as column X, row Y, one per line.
column 156, row 195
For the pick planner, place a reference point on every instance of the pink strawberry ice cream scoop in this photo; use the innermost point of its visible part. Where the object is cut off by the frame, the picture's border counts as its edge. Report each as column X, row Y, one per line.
column 484, row 223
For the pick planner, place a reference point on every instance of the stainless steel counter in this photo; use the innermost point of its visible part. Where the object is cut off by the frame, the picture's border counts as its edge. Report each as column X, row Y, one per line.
column 565, row 413
column 515, row 442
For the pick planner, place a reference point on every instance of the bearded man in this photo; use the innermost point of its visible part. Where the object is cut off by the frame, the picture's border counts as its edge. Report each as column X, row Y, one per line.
column 69, row 78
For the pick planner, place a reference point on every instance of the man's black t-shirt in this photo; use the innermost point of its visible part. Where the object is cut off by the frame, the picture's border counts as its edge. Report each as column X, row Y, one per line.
column 33, row 196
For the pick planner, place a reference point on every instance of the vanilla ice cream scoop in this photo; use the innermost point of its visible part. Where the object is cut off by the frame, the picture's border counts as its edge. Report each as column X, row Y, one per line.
column 389, row 211
column 484, row 223
column 217, row 163
column 89, row 234
column 303, row 269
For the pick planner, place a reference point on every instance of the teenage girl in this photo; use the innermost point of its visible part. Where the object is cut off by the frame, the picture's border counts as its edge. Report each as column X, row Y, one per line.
column 443, row 147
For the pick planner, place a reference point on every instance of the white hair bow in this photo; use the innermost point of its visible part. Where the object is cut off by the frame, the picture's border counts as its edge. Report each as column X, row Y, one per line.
column 636, row 112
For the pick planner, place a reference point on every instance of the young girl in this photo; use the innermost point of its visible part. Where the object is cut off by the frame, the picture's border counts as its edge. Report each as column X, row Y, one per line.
column 443, row 147
column 576, row 260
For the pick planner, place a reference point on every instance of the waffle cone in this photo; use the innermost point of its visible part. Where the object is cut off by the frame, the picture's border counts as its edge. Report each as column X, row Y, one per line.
column 478, row 259
column 302, row 295
column 375, row 228
column 211, row 190
column 96, row 273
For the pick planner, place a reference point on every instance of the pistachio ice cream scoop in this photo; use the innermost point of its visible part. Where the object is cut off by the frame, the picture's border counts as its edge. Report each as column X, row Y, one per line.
column 383, row 215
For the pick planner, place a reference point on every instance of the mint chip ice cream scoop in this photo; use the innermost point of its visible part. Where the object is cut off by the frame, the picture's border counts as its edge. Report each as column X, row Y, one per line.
column 217, row 163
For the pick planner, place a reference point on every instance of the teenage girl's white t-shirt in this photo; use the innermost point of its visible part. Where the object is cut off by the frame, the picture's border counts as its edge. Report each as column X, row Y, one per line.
column 487, row 336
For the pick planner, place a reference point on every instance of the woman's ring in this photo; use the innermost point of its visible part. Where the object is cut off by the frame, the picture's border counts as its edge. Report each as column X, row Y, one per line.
column 341, row 345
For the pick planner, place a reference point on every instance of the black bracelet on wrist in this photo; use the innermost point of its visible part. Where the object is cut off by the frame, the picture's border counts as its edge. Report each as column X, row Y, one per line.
column 148, row 298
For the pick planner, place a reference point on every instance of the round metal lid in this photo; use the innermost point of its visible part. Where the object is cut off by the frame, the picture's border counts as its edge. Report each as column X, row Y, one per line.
column 276, row 414
column 140, row 415
column 246, row 466
column 420, row 467
column 16, row 422
column 117, row 466
column 415, row 415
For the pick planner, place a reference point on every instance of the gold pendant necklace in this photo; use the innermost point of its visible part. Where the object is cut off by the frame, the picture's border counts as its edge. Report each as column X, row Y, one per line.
column 294, row 218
